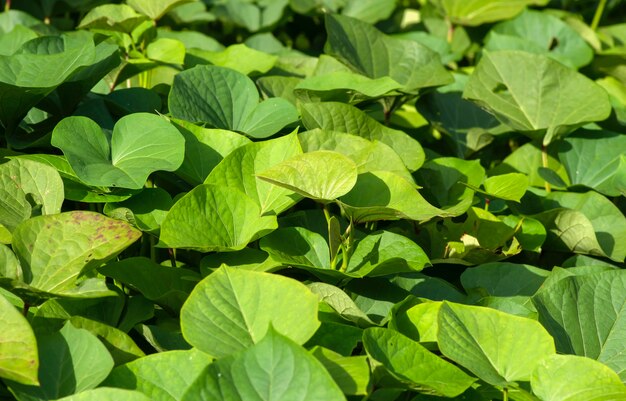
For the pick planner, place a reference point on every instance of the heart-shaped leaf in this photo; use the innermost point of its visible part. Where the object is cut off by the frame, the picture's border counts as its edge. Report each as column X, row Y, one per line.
column 274, row 369
column 322, row 175
column 232, row 309
column 334, row 116
column 497, row 347
column 560, row 100
column 239, row 170
column 214, row 218
column 575, row 378
column 376, row 55
column 413, row 364
column 541, row 33
column 57, row 251
column 587, row 316
column 71, row 360
column 382, row 195
column 140, row 144
column 153, row 375
column 227, row 99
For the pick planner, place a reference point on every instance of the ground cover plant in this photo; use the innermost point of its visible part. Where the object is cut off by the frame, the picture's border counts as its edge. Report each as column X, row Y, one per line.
column 264, row 200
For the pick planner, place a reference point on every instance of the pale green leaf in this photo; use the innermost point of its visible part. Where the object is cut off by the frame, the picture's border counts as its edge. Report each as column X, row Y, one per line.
column 232, row 309
column 322, row 175
column 214, row 218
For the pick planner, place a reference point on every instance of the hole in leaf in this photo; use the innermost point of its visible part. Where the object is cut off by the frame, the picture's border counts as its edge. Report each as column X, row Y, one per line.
column 500, row 88
column 554, row 42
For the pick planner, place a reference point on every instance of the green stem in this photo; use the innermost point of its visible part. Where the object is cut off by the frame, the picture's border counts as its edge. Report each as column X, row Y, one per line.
column 598, row 15
column 544, row 162
column 152, row 249
column 25, row 309
column 450, row 35
column 505, row 394
column 172, row 253
column 7, row 5
column 487, row 202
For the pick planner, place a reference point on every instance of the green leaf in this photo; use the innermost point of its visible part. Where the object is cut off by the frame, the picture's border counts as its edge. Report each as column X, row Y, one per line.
column 374, row 54
column 133, row 100
column 204, row 149
column 478, row 12
column 298, row 247
column 527, row 159
column 232, row 309
column 274, row 369
column 28, row 188
column 382, row 195
column 607, row 221
column 112, row 17
column 166, row 286
column 71, row 360
column 419, row 322
column 570, row 231
column 239, row 170
column 497, row 347
column 227, row 99
column 321, row 175
column 344, row 86
column 561, row 101
column 214, row 218
column 470, row 127
column 574, row 378
column 596, row 159
column 168, row 51
column 155, row 9
column 9, row 265
column 146, row 210
column 341, row 302
column 106, row 394
column 413, row 364
column 586, row 315
column 140, row 144
column 384, row 252
column 368, row 155
column 504, row 279
column 443, row 180
column 333, row 116
column 252, row 16
column 510, row 186
column 351, row 373
column 56, row 250
column 19, row 361
column 34, row 71
column 541, row 33
column 164, row 376
column 240, row 58
column 120, row 345
column 369, row 10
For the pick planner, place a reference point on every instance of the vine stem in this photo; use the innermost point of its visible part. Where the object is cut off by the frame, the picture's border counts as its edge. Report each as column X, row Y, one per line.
column 598, row 15
column 505, row 394
column 544, row 162
column 7, row 5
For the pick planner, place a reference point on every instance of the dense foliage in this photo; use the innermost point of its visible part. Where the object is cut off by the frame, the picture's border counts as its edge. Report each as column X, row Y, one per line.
column 316, row 200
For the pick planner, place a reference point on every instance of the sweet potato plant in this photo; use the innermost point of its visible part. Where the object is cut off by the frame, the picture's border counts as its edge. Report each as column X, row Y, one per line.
column 312, row 200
